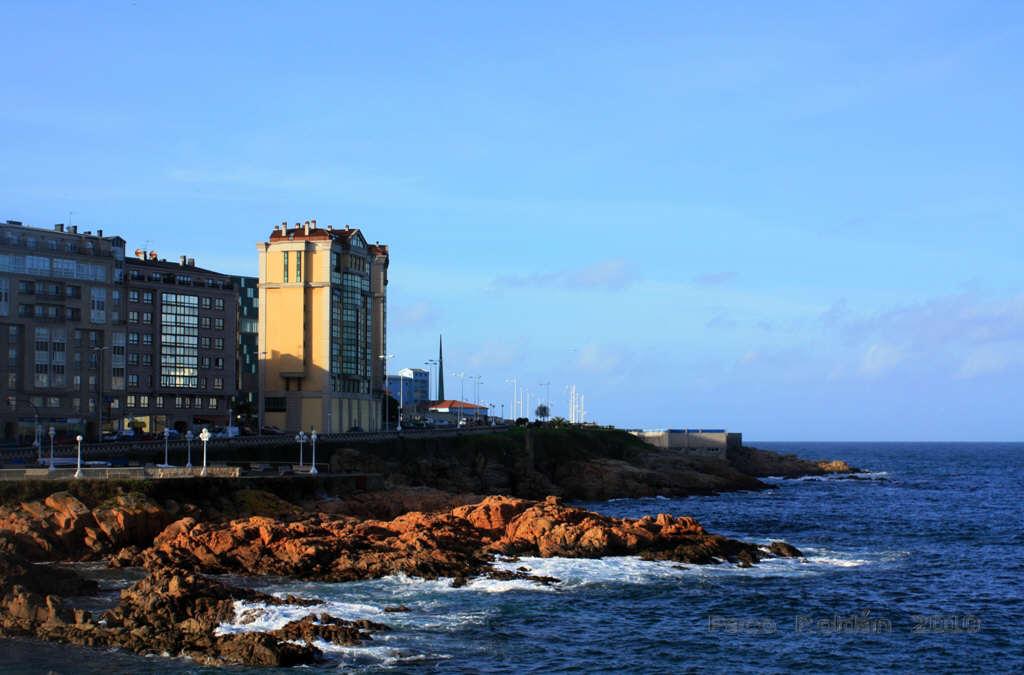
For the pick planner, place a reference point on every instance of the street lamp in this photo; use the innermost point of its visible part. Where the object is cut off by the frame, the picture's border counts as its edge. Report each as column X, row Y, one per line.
column 53, row 432
column 312, row 438
column 39, row 437
column 78, row 471
column 387, row 394
column 188, row 442
column 167, row 440
column 462, row 393
column 300, row 438
column 204, row 436
column 515, row 396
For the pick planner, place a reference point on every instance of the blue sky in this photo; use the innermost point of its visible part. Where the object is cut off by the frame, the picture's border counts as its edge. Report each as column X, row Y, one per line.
column 797, row 221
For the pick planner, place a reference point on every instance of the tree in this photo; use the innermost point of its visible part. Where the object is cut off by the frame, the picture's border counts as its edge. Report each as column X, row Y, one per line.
column 542, row 412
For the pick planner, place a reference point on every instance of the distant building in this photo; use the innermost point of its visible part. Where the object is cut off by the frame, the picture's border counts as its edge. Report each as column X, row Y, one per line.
column 322, row 307
column 410, row 387
column 707, row 442
column 248, row 345
column 459, row 408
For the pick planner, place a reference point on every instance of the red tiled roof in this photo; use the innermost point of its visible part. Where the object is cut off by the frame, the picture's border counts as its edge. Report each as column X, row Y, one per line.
column 298, row 231
column 450, row 403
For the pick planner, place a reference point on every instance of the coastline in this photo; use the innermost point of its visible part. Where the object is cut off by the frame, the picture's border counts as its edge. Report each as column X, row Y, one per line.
column 419, row 531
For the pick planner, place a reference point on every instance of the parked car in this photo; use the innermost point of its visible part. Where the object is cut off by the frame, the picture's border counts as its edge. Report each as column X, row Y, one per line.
column 271, row 430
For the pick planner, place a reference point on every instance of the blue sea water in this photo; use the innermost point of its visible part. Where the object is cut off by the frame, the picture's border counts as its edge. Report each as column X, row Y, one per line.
column 916, row 566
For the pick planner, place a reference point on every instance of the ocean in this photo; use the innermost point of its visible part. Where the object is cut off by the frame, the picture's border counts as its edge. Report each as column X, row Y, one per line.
column 915, row 566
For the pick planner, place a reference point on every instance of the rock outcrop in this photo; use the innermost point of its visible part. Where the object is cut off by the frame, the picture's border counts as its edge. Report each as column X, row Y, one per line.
column 62, row 527
column 172, row 611
column 458, row 544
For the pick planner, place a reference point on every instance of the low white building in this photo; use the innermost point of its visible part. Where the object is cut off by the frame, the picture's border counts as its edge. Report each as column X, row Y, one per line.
column 704, row 442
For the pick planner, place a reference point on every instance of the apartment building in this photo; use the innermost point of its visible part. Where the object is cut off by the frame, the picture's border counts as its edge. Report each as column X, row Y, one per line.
column 322, row 301
column 62, row 331
column 181, row 345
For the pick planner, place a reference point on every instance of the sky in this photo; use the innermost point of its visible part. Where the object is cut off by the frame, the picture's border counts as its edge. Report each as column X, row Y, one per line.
column 801, row 221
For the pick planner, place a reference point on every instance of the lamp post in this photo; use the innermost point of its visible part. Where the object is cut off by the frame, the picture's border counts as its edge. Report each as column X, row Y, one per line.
column 188, row 443
column 78, row 471
column 462, row 393
column 204, row 436
column 387, row 394
column 38, row 443
column 53, row 432
column 300, row 438
column 312, row 438
column 167, row 440
column 515, row 396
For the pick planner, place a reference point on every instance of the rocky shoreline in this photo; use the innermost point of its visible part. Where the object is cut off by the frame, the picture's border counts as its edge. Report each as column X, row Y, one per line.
column 181, row 544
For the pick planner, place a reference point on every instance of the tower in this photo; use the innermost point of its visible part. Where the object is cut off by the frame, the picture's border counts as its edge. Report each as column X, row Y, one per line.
column 320, row 319
column 440, row 368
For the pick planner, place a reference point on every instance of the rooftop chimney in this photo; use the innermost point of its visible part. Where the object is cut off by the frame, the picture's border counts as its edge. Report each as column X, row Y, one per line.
column 191, row 262
column 153, row 255
column 305, row 228
column 182, row 260
column 59, row 227
column 312, row 223
column 99, row 233
column 73, row 229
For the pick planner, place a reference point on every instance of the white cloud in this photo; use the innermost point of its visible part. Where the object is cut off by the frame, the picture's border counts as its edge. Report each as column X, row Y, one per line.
column 880, row 359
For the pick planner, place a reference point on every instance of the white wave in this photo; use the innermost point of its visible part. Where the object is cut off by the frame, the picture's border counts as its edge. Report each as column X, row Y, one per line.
column 253, row 617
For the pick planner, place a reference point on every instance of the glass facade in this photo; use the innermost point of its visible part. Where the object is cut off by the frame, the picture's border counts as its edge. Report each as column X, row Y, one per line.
column 179, row 336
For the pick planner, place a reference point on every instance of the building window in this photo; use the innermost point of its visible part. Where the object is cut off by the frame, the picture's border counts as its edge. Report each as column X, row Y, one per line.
column 133, row 317
column 218, row 303
column 218, row 343
column 298, row 267
column 218, row 363
column 204, row 342
column 204, row 322
column 158, row 402
column 133, row 296
column 218, row 383
column 213, row 403
column 179, row 341
column 147, row 339
column 204, row 362
column 275, row 404
column 129, row 401
column 147, row 297
column 284, row 259
column 218, row 323
column 205, row 303
column 133, row 338
column 147, row 359
column 133, row 360
column 98, row 305
column 147, row 317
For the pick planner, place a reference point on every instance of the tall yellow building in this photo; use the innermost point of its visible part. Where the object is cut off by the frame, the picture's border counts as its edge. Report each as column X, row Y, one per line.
column 323, row 312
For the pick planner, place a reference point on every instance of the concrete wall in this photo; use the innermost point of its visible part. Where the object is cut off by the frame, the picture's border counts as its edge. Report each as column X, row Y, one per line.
column 706, row 443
